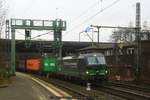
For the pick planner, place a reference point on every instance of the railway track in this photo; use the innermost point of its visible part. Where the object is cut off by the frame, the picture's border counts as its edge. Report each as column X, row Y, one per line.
column 75, row 91
column 138, row 87
column 79, row 92
column 126, row 91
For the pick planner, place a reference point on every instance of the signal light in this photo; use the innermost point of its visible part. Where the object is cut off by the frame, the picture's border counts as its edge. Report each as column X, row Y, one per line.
column 27, row 33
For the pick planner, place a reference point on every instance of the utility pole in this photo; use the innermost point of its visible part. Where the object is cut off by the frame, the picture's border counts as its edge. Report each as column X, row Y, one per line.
column 137, row 43
column 13, row 52
column 98, row 32
column 57, row 38
column 7, row 37
column 58, row 28
column 80, row 35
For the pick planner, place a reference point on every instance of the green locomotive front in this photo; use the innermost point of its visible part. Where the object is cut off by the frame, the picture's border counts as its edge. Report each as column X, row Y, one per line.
column 86, row 67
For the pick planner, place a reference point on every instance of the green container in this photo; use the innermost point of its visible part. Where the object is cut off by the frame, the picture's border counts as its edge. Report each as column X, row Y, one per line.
column 50, row 65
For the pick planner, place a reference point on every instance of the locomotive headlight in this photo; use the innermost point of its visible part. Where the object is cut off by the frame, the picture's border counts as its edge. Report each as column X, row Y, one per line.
column 87, row 72
column 106, row 71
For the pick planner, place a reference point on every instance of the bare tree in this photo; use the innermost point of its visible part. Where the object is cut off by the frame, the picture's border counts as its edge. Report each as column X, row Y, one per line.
column 123, row 35
column 3, row 12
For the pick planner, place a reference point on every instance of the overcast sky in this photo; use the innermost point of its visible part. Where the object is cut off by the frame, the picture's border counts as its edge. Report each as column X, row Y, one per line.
column 79, row 14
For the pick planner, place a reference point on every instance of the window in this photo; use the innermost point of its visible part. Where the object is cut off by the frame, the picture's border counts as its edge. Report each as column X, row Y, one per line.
column 107, row 52
column 120, row 52
column 96, row 60
column 70, row 63
column 130, row 51
column 101, row 60
column 92, row 60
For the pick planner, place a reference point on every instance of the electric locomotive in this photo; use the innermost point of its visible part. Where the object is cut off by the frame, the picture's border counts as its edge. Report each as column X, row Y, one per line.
column 90, row 66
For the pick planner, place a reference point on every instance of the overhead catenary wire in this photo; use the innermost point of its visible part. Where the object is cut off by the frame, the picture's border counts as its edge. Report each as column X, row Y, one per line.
column 101, row 4
column 91, row 17
column 36, row 36
column 41, row 35
column 30, row 6
column 86, row 11
column 20, row 33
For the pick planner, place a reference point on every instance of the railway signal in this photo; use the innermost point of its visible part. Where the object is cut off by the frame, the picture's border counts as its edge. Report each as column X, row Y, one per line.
column 27, row 38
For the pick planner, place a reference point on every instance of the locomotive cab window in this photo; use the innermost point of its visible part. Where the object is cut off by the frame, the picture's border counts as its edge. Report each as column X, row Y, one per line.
column 101, row 60
column 95, row 60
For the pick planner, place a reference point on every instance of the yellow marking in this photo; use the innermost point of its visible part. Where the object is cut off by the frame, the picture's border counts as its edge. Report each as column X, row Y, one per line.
column 48, row 88
column 39, row 94
column 57, row 89
column 42, row 98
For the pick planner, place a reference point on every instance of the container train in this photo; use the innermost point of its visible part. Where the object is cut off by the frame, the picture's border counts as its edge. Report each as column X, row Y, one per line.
column 84, row 67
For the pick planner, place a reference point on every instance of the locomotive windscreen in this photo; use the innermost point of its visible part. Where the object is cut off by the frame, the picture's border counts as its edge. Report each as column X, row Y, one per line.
column 96, row 60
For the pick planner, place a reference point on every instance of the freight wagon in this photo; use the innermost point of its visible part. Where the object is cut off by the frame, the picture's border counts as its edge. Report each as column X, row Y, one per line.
column 45, row 65
column 33, row 64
